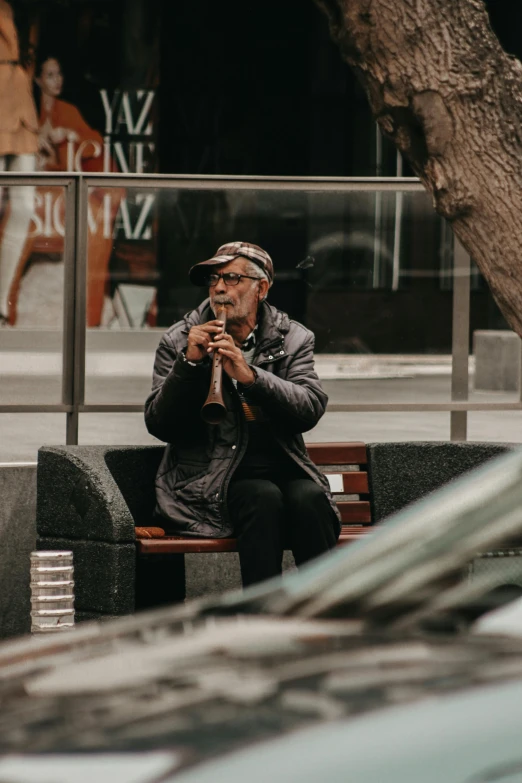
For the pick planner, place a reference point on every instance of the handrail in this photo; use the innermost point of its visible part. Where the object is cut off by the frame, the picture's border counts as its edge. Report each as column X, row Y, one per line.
column 76, row 185
column 108, row 175
column 216, row 182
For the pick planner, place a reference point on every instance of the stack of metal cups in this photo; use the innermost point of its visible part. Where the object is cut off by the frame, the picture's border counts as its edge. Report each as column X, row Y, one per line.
column 52, row 592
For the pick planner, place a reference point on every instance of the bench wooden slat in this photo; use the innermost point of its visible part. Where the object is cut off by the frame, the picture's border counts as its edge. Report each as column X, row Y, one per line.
column 177, row 544
column 352, row 512
column 354, row 482
column 352, row 533
column 355, row 511
column 337, row 453
column 355, row 514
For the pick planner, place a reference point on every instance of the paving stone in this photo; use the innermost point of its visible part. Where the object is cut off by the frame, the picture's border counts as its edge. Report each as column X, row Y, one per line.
column 17, row 541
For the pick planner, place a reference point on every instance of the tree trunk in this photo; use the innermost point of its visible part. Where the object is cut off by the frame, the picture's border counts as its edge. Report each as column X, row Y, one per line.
column 443, row 90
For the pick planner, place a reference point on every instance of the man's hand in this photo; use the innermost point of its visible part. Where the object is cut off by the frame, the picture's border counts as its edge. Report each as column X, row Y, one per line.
column 233, row 360
column 199, row 339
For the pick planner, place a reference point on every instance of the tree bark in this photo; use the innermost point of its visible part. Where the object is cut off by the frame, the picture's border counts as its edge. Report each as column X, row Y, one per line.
column 443, row 90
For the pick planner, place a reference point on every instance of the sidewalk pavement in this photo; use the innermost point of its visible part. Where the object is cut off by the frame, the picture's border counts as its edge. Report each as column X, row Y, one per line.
column 139, row 364
column 130, row 353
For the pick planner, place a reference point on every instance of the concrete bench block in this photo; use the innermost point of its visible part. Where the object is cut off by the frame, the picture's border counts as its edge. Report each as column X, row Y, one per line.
column 120, row 492
column 17, row 541
column 104, row 574
column 400, row 473
column 95, row 492
column 497, row 360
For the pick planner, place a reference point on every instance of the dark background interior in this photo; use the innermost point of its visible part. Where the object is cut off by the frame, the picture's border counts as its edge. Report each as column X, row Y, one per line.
column 255, row 88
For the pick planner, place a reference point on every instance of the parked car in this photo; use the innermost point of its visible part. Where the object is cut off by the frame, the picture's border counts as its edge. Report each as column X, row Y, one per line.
column 363, row 667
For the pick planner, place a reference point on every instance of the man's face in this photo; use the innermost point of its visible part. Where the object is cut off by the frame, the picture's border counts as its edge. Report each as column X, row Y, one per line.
column 242, row 300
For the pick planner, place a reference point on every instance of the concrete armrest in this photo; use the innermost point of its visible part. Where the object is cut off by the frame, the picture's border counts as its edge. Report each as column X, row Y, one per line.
column 95, row 493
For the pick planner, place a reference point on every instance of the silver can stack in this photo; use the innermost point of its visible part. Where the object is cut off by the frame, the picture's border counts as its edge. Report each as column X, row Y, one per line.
column 52, row 591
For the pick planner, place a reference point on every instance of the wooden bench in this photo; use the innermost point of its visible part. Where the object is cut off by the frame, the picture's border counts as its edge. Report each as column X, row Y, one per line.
column 345, row 465
column 90, row 499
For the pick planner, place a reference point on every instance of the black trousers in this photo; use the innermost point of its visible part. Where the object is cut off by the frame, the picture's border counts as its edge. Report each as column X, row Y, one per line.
column 271, row 509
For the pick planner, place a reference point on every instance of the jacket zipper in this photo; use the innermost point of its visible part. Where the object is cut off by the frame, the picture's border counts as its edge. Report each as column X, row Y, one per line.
column 243, row 438
column 238, row 456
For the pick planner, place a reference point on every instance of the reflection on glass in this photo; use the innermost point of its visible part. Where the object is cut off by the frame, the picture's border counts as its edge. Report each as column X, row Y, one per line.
column 381, row 427
column 72, row 145
column 114, row 429
column 495, row 426
column 366, row 289
column 37, row 288
column 324, row 245
column 121, row 287
column 31, row 341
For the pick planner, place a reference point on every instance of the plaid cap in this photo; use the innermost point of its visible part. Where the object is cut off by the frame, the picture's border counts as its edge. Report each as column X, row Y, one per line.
column 228, row 252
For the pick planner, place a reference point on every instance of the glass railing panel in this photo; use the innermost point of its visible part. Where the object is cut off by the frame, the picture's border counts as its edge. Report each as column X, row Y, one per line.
column 381, row 427
column 118, row 366
column 377, row 300
column 366, row 271
column 496, row 349
column 495, row 426
column 24, row 433
column 112, row 429
column 32, row 270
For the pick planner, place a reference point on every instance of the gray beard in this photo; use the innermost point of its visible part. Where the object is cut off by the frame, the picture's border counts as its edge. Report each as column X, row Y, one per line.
column 235, row 317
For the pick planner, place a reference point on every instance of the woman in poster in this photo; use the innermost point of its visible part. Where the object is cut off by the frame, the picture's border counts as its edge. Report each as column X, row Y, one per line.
column 72, row 145
column 18, row 148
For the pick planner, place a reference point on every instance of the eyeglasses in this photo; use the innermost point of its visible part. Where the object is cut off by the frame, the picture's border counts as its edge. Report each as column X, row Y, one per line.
column 229, row 278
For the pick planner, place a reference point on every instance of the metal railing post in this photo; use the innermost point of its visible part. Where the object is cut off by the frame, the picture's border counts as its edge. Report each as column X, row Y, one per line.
column 80, row 301
column 68, row 359
column 520, row 374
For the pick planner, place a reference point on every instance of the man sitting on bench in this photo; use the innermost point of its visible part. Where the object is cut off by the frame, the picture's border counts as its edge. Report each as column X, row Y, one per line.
column 249, row 476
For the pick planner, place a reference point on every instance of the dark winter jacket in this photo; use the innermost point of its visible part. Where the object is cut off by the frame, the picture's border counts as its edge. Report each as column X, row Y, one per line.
column 193, row 478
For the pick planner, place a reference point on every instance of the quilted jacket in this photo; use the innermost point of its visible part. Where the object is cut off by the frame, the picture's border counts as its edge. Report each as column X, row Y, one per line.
column 199, row 461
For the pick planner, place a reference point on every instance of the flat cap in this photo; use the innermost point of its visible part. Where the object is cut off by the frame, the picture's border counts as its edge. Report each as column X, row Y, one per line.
column 228, row 252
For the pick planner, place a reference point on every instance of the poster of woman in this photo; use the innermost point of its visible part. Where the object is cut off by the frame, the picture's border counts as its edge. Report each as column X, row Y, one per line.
column 93, row 111
column 72, row 145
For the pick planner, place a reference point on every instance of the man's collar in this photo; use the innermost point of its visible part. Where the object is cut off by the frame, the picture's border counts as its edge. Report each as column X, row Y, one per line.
column 250, row 341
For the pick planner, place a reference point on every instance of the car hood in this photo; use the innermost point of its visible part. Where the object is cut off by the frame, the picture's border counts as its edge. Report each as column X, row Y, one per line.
column 345, row 637
column 226, row 684
column 469, row 737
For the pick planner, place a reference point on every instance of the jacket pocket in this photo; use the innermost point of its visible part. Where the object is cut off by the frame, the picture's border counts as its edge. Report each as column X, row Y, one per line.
column 188, row 474
column 197, row 494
